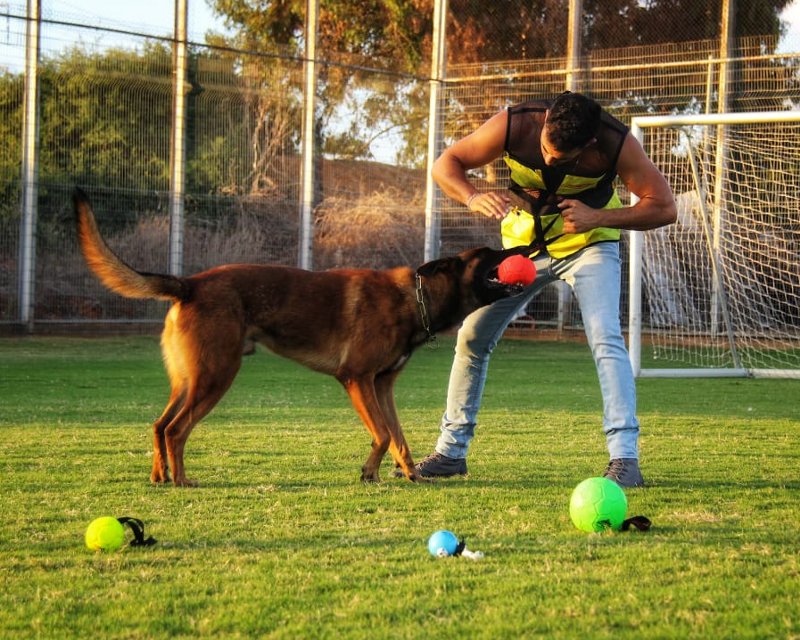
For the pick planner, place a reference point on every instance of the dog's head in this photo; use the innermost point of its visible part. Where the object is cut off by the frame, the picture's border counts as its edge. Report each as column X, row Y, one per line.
column 473, row 273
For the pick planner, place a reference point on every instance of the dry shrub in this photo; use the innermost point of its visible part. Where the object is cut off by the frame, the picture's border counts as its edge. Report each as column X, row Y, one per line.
column 253, row 230
column 243, row 230
column 145, row 245
column 377, row 231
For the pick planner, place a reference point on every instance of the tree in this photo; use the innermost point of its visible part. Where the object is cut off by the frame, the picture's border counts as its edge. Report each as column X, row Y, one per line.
column 396, row 35
column 11, row 107
column 353, row 102
column 102, row 117
column 625, row 23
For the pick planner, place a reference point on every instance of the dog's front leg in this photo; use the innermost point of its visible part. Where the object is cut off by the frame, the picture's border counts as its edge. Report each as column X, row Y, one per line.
column 398, row 447
column 362, row 395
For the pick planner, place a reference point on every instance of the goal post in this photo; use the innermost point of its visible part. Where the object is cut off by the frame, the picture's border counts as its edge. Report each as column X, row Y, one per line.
column 718, row 292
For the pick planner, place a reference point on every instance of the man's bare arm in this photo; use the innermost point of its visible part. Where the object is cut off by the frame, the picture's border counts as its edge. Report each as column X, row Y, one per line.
column 481, row 147
column 656, row 206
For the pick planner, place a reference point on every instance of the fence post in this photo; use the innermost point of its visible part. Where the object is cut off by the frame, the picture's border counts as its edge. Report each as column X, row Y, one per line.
column 305, row 253
column 574, row 44
column 30, row 168
column 721, row 159
column 636, row 249
column 177, row 178
column 574, row 53
column 438, row 72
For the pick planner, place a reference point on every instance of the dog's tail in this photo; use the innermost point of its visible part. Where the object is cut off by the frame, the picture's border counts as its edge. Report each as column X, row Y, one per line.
column 111, row 270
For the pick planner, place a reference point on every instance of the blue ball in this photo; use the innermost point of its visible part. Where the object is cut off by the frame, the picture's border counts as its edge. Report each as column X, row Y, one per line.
column 442, row 544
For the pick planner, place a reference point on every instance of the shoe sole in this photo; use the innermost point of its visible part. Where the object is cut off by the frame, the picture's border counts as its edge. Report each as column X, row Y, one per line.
column 444, row 475
column 400, row 474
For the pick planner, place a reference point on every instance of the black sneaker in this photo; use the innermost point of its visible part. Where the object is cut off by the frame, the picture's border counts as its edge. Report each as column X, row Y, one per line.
column 438, row 465
column 625, row 472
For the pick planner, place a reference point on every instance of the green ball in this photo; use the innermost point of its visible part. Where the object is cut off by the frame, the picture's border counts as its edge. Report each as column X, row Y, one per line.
column 598, row 504
column 105, row 534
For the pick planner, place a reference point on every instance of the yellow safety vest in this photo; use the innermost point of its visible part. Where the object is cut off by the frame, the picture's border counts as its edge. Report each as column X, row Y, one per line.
column 530, row 174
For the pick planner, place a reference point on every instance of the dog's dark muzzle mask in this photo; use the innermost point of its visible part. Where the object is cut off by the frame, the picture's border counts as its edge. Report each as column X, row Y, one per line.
column 487, row 284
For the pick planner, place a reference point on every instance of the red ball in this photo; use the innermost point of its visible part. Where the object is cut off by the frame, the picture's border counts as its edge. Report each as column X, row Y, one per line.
column 517, row 270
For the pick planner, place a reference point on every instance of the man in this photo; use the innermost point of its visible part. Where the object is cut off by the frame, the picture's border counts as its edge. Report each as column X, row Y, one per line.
column 564, row 156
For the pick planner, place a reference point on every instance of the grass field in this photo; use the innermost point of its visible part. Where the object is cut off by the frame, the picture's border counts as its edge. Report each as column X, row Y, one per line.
column 281, row 540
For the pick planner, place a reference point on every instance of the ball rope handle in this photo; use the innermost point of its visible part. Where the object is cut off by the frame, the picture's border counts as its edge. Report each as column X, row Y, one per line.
column 461, row 550
column 641, row 523
column 137, row 527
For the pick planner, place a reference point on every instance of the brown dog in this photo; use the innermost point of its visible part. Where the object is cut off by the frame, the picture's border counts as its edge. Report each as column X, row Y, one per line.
column 357, row 325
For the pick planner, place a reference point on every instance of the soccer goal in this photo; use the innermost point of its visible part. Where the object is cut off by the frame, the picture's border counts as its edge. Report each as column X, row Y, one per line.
column 718, row 293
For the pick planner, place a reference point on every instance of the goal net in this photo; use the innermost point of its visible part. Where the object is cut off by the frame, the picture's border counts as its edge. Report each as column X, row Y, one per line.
column 718, row 293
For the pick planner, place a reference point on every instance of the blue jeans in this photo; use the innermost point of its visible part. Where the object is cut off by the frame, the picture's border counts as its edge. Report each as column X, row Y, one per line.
column 594, row 275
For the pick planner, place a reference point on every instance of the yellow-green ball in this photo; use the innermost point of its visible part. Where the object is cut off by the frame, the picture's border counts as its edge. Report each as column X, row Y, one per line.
column 105, row 534
column 598, row 504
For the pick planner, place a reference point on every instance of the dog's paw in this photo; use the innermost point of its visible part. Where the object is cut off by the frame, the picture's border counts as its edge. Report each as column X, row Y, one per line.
column 370, row 477
column 186, row 482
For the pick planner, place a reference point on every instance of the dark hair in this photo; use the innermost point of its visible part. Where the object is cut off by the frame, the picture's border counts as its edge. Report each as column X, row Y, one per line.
column 573, row 121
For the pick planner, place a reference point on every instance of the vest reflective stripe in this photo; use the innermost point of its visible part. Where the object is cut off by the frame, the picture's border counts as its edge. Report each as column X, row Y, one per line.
column 524, row 176
column 517, row 230
column 528, row 178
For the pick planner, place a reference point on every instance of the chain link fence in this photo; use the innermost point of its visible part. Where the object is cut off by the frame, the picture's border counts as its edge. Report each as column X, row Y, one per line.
column 105, row 111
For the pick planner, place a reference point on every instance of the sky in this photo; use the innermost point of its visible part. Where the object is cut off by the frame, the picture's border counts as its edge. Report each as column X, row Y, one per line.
column 154, row 17
column 791, row 42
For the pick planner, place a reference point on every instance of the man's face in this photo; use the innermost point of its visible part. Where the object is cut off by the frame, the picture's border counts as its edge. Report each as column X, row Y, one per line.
column 554, row 157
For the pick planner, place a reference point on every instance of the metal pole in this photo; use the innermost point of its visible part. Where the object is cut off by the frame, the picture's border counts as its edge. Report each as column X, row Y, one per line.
column 636, row 244
column 709, row 97
column 30, row 167
column 721, row 161
column 709, row 84
column 572, row 83
column 574, row 44
column 178, row 151
column 305, row 253
column 438, row 73
column 741, row 117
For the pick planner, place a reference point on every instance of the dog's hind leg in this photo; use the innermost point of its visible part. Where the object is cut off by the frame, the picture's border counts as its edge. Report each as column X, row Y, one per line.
column 398, row 447
column 172, row 351
column 160, row 471
column 202, row 356
column 365, row 401
column 201, row 398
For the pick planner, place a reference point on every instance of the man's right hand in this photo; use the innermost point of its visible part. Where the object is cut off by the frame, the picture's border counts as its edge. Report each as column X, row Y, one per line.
column 492, row 204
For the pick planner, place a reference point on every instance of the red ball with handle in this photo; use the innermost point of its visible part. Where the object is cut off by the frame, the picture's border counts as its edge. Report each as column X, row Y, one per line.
column 517, row 270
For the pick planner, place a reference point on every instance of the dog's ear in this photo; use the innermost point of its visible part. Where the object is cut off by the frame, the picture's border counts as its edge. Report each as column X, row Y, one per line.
column 430, row 269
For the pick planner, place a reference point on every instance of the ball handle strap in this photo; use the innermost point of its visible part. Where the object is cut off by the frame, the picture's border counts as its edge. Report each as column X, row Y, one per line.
column 137, row 526
column 462, row 551
column 639, row 522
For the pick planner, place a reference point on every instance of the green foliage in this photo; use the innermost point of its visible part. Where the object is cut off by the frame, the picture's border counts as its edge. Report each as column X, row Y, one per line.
column 392, row 35
column 623, row 23
column 11, row 109
column 103, row 115
column 376, row 29
column 282, row 541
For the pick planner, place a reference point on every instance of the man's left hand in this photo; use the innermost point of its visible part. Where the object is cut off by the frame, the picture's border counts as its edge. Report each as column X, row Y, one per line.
column 578, row 217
